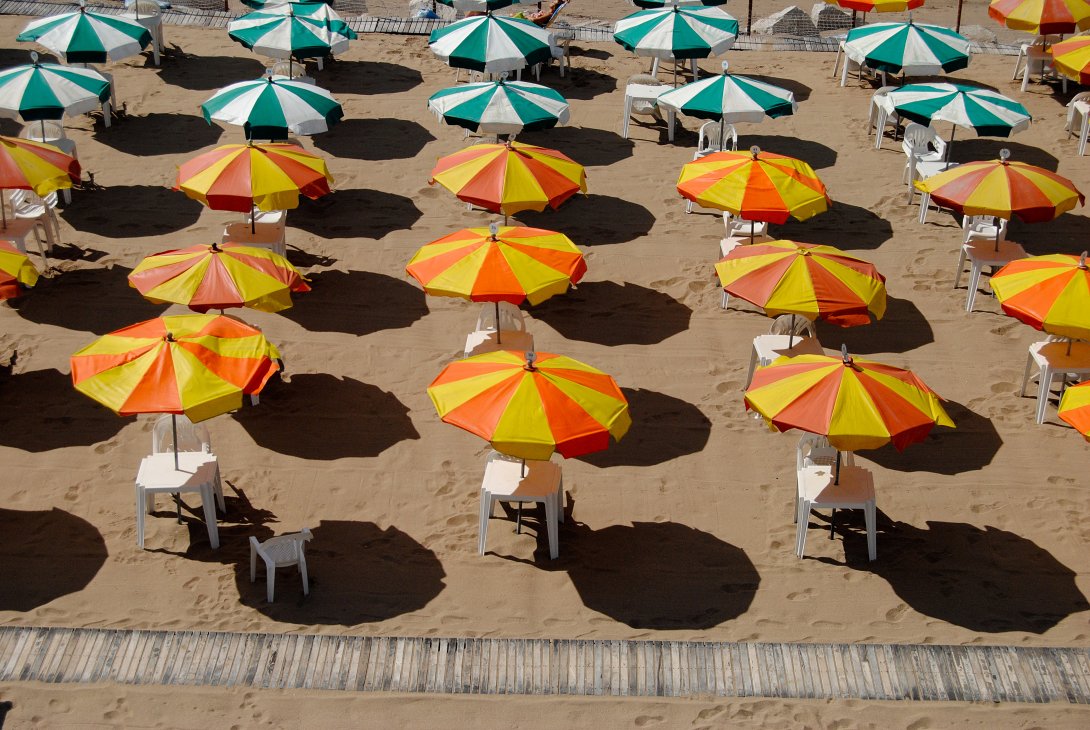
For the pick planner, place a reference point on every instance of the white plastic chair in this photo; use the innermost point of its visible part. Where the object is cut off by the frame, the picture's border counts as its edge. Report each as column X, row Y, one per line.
column 510, row 331
column 815, row 467
column 294, row 71
column 26, row 205
column 785, row 337
column 191, row 437
column 1035, row 57
column 148, row 14
column 509, row 479
column 925, row 155
column 282, row 551
column 52, row 133
column 270, row 235
column 1079, row 109
column 709, row 136
column 879, row 119
column 1054, row 356
column 742, row 228
column 981, row 253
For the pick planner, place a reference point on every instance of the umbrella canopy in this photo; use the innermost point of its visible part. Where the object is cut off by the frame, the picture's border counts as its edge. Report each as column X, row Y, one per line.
column 491, row 43
column 1004, row 189
column 86, row 37
column 512, row 177
column 677, row 32
column 218, row 277
column 500, row 107
column 912, row 48
column 805, row 279
column 270, row 107
column 530, row 405
column 197, row 364
column 29, row 165
column 878, row 6
column 16, row 271
column 1075, row 408
column 1042, row 17
column 292, row 30
column 731, row 99
column 42, row 91
column 241, row 176
column 1049, row 293
column 1072, row 58
column 755, row 185
column 986, row 112
column 506, row 264
column 855, row 403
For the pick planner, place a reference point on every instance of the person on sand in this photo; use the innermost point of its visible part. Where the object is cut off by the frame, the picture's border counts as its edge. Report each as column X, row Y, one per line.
column 542, row 17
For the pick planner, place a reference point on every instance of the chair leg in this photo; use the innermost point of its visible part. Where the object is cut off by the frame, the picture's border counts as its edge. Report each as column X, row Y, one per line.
column 870, row 514
column 306, row 578
column 1044, row 387
column 1026, row 375
column 551, row 526
column 270, row 577
column 752, row 362
column 724, row 302
column 482, row 529
column 141, row 507
column 974, row 283
column 800, row 530
column 960, row 269
column 253, row 564
column 1083, row 133
column 925, row 205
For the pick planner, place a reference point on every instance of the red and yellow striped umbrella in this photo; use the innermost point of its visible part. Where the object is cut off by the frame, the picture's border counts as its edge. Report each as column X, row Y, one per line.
column 1042, row 17
column 1050, row 293
column 241, row 176
column 532, row 404
column 805, row 279
column 512, row 177
column 1075, row 408
column 218, row 277
column 16, row 271
column 505, row 264
column 856, row 404
column 1003, row 188
column 196, row 364
column 755, row 185
column 1072, row 58
column 29, row 165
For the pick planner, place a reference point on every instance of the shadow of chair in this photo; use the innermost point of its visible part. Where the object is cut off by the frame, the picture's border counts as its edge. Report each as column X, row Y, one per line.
column 663, row 428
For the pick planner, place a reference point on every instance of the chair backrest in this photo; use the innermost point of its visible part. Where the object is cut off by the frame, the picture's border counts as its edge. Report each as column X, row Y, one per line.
column 814, row 449
column 917, row 137
column 782, row 325
column 191, row 436
column 284, row 548
column 1081, row 96
column 289, row 69
column 43, row 131
column 511, row 317
column 710, row 132
column 146, row 8
column 644, row 79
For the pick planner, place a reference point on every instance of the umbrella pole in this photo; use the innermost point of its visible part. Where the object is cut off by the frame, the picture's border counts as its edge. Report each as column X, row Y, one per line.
column 3, row 213
column 836, row 479
column 498, row 341
column 791, row 333
column 950, row 144
column 174, row 441
column 253, row 219
column 43, row 129
column 518, row 517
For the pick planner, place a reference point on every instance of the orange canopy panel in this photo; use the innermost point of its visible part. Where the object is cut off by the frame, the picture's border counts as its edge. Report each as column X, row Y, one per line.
column 29, row 165
column 17, row 274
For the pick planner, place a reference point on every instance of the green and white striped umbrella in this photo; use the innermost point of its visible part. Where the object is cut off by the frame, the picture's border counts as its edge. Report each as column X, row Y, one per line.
column 492, row 43
column 477, row 6
column 677, row 32
column 988, row 113
column 42, row 91
column 731, row 99
column 500, row 107
column 292, row 30
column 86, row 37
column 267, row 108
column 912, row 48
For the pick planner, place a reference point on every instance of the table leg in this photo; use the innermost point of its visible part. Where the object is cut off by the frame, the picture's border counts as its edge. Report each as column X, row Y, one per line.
column 208, row 503
column 627, row 114
column 870, row 513
column 141, row 507
column 551, row 524
column 1044, row 385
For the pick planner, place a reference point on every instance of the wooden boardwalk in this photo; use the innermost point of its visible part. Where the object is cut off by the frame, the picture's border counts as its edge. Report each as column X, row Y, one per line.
column 546, row 666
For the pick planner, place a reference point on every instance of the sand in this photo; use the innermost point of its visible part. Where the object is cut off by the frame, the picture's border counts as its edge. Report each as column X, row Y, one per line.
column 681, row 531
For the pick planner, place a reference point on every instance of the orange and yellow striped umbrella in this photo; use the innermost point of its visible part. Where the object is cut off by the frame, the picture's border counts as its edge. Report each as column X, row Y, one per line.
column 805, row 279
column 1072, row 58
column 756, row 185
column 16, row 271
column 856, row 404
column 504, row 264
column 1050, row 293
column 196, row 364
column 218, row 277
column 29, row 165
column 512, row 177
column 241, row 176
column 1003, row 188
column 529, row 405
column 1075, row 408
column 1042, row 17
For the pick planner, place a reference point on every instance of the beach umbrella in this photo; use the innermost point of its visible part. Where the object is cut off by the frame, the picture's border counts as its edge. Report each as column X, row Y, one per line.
column 86, row 37
column 855, row 403
column 16, row 271
column 1072, row 58
column 29, row 165
column 270, row 107
column 1042, row 17
column 914, row 49
column 878, row 6
column 1075, row 408
column 500, row 107
column 217, row 277
column 491, row 44
column 806, row 280
column 41, row 91
column 1050, row 293
column 511, row 177
column 529, row 405
column 986, row 112
column 677, row 32
column 292, row 30
column 241, row 177
column 755, row 185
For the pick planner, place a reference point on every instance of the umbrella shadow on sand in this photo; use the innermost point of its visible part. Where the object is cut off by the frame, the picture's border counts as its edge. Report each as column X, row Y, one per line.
column 368, row 77
column 903, row 328
column 357, row 303
column 663, row 428
column 131, row 211
column 343, row 417
column 984, row 579
column 595, row 220
column 46, row 554
column 159, row 134
column 207, row 73
column 969, row 447
column 611, row 313
column 800, row 90
column 583, row 84
column 987, row 148
column 374, row 139
column 845, row 226
column 355, row 212
column 1066, row 234
column 815, row 154
column 586, row 145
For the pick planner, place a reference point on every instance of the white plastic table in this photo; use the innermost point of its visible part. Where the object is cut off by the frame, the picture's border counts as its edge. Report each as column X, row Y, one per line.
column 854, row 490
column 196, row 473
column 265, row 235
column 767, row 348
column 481, row 341
column 512, row 481
column 1053, row 359
column 650, row 94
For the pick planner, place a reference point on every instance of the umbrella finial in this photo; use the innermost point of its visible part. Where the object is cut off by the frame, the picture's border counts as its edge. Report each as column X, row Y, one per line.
column 169, row 337
column 1082, row 261
column 1004, row 155
column 34, row 57
column 503, row 77
column 755, row 150
column 531, row 356
column 845, row 356
column 82, row 5
column 493, row 230
column 215, row 247
column 726, row 65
